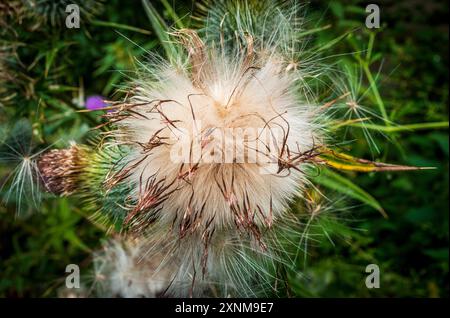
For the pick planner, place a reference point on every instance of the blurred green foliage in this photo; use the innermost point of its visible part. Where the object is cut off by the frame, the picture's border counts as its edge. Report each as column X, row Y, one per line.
column 47, row 71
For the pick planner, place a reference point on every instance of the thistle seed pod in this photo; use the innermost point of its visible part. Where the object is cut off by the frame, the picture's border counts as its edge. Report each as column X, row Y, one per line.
column 59, row 169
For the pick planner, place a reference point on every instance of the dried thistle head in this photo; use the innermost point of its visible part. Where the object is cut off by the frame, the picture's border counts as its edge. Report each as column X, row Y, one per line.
column 59, row 169
column 236, row 115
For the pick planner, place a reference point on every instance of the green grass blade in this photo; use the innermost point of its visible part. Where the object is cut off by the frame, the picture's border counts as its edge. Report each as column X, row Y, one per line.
column 402, row 128
column 160, row 28
column 115, row 25
column 171, row 12
column 335, row 181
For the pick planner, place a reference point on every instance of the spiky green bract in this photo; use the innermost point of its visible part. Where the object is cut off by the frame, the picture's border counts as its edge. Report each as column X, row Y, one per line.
column 86, row 172
column 88, row 176
column 278, row 28
column 274, row 23
column 109, row 203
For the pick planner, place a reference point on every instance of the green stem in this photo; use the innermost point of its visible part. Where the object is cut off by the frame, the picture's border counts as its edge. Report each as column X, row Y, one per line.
column 375, row 91
column 315, row 30
column 172, row 14
column 120, row 26
column 370, row 47
column 410, row 127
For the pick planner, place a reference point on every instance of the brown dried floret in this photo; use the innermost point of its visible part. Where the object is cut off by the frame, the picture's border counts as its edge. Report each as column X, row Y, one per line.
column 60, row 168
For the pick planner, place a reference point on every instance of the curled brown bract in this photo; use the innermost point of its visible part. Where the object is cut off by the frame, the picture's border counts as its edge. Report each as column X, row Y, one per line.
column 198, row 55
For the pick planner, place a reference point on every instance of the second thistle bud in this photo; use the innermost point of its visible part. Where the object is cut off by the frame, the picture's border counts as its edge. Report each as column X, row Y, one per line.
column 59, row 169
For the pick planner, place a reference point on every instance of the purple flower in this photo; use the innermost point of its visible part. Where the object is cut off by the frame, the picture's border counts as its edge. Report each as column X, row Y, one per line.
column 95, row 102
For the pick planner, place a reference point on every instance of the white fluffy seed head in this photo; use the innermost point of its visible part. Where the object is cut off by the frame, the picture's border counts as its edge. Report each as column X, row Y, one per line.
column 219, row 134
column 164, row 266
column 239, row 83
column 248, row 99
column 121, row 270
